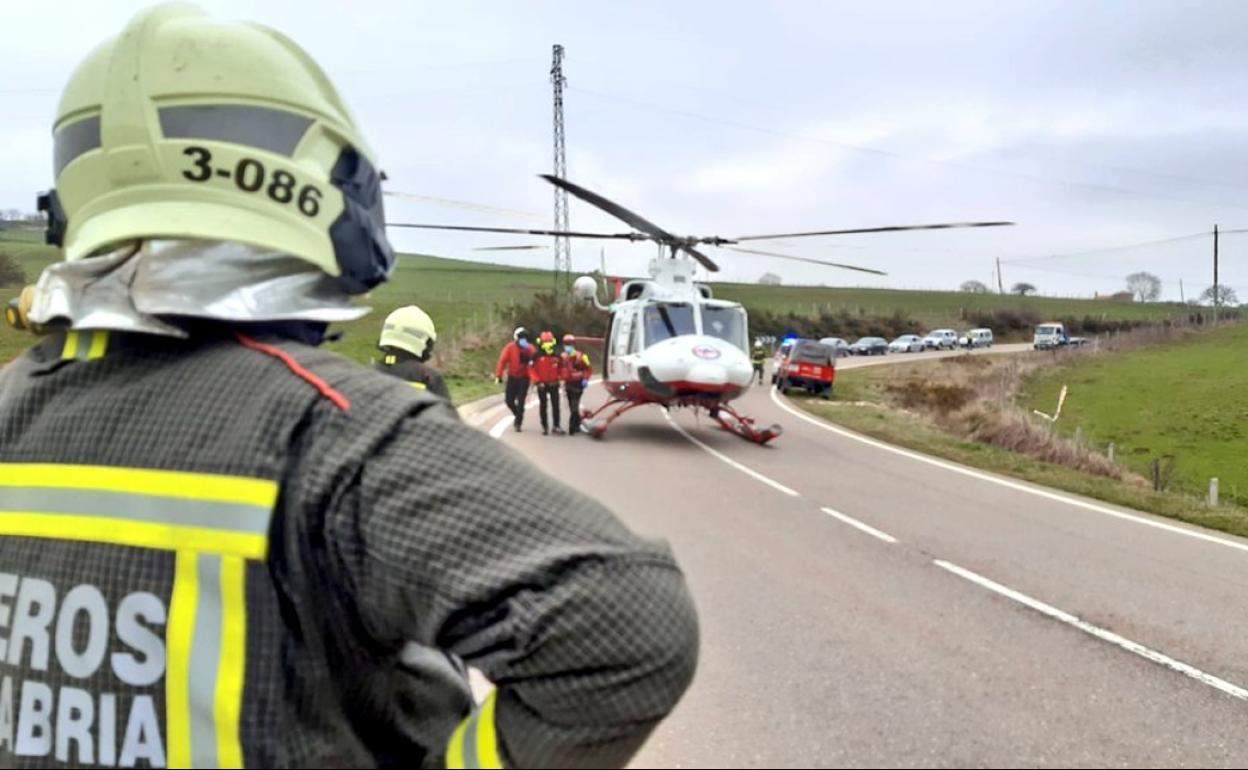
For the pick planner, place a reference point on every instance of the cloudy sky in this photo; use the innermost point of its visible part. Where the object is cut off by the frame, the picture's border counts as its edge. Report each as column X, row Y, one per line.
column 1094, row 125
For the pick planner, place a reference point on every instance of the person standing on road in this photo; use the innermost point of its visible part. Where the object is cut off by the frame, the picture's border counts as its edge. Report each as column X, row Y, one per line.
column 759, row 358
column 546, row 371
column 406, row 342
column 577, row 371
column 261, row 553
column 513, row 362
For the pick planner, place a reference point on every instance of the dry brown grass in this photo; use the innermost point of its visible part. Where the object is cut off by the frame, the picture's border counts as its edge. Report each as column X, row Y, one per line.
column 973, row 397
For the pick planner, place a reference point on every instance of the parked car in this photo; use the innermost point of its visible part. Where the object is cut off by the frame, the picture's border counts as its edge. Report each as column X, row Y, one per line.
column 906, row 343
column 810, row 365
column 836, row 343
column 870, row 346
column 977, row 338
column 1053, row 335
column 941, row 339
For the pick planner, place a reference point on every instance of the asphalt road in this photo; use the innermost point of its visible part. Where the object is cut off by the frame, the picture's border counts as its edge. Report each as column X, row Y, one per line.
column 864, row 606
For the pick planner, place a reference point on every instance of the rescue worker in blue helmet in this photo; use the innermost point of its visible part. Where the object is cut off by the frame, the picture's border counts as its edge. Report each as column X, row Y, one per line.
column 222, row 546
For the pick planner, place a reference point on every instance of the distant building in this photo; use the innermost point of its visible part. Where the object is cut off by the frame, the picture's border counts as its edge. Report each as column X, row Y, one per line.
column 769, row 279
column 1120, row 296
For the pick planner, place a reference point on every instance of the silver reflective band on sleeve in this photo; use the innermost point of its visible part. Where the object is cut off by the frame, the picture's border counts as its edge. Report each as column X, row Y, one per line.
column 74, row 140
column 277, row 131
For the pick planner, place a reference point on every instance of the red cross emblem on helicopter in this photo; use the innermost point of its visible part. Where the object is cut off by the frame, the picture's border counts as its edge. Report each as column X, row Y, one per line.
column 706, row 352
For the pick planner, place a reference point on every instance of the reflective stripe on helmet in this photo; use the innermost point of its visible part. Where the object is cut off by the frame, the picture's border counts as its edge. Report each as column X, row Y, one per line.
column 277, row 131
column 74, row 140
column 475, row 742
column 213, row 524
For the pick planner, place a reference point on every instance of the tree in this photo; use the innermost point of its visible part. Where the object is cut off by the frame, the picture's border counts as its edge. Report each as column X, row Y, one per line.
column 1146, row 287
column 1022, row 289
column 769, row 279
column 973, row 287
column 1225, row 296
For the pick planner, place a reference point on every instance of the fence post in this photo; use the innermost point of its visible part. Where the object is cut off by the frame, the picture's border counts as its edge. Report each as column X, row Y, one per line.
column 1213, row 491
column 1110, row 452
column 1156, row 475
column 1079, row 435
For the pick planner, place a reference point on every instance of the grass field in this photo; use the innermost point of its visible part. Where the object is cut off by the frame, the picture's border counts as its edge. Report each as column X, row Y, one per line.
column 1188, row 400
column 931, row 309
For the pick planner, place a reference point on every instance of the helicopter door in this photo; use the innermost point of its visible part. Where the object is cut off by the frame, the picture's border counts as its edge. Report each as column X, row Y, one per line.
column 623, row 342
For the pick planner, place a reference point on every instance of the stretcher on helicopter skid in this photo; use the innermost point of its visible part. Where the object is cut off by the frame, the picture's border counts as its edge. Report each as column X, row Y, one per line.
column 669, row 341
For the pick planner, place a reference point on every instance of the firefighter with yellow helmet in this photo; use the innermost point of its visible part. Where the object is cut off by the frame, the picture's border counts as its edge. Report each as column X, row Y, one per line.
column 406, row 343
column 221, row 546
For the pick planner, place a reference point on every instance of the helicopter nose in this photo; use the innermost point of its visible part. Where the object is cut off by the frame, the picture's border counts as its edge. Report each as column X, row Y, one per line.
column 708, row 374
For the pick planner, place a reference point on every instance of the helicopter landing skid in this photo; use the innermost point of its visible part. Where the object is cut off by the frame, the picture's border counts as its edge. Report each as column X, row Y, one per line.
column 731, row 421
column 595, row 425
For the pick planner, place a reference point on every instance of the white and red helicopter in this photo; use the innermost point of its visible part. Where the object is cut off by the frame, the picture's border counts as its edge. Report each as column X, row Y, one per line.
column 669, row 341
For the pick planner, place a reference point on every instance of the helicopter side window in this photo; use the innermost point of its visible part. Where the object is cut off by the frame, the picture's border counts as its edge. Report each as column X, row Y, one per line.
column 726, row 323
column 664, row 320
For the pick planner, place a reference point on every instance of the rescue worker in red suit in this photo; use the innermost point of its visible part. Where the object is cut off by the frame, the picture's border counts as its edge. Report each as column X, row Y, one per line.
column 546, row 371
column 577, row 370
column 222, row 545
column 513, row 362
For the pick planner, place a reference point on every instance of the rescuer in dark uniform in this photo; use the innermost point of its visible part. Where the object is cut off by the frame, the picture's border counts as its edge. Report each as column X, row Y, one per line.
column 407, row 340
column 223, row 546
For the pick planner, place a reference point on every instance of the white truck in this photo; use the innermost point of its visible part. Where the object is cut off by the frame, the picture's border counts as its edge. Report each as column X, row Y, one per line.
column 1053, row 335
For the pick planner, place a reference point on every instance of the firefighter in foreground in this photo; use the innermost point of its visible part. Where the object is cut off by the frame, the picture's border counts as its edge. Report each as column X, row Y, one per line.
column 222, row 546
column 577, row 371
column 759, row 358
column 546, row 371
column 513, row 362
column 406, row 343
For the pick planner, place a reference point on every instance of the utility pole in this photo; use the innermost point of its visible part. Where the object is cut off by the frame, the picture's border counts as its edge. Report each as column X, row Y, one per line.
column 1217, row 295
column 1000, row 281
column 563, row 247
column 1182, row 296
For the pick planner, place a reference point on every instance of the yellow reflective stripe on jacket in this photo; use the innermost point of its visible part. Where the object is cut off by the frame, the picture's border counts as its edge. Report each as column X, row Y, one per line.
column 191, row 486
column 474, row 743
column 213, row 524
column 419, row 385
column 85, row 345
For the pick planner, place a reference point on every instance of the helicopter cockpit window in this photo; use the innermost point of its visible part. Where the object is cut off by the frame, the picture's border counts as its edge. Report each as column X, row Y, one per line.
column 664, row 320
column 726, row 323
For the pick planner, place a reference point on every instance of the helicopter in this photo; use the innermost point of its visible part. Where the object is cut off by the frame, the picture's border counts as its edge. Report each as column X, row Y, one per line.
column 669, row 341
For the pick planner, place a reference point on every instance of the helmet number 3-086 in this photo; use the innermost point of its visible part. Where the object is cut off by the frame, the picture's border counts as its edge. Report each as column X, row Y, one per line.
column 250, row 176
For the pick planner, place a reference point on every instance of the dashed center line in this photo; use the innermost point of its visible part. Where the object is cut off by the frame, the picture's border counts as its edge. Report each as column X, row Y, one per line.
column 851, row 521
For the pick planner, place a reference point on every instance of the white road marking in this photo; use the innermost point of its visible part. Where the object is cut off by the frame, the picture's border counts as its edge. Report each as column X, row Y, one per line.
column 720, row 456
column 1017, row 486
column 872, row 531
column 500, row 427
column 1108, row 636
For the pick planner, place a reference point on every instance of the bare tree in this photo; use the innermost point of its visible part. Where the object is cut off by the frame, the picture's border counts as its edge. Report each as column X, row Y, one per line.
column 1146, row 287
column 769, row 279
column 1225, row 296
column 973, row 287
column 1023, row 289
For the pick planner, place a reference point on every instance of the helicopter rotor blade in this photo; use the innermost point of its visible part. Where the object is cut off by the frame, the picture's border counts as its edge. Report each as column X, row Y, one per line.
column 860, row 230
column 805, row 259
column 523, row 231
column 706, row 261
column 510, row 248
column 613, row 208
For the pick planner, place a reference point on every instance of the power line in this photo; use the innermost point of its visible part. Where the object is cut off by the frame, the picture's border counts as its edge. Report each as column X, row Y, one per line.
column 1125, row 247
column 901, row 156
